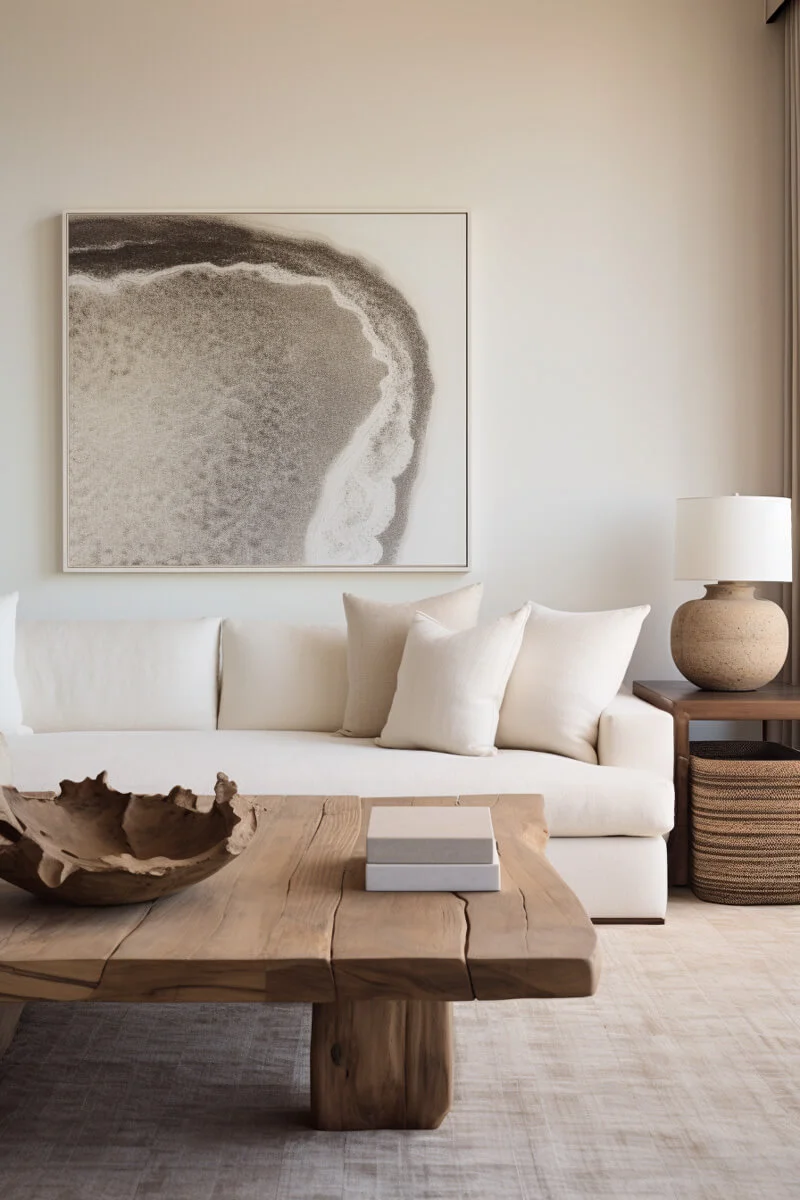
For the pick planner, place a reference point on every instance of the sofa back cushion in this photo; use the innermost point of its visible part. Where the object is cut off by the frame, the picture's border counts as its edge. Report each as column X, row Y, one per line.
column 6, row 775
column 277, row 676
column 76, row 675
column 10, row 703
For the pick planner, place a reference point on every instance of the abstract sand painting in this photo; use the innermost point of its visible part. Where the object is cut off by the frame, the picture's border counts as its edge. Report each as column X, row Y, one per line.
column 273, row 391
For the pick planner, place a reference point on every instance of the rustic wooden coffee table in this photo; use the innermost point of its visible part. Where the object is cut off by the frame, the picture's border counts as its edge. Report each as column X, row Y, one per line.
column 290, row 921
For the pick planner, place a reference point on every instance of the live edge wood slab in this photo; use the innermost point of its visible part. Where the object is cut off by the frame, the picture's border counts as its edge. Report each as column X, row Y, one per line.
column 289, row 920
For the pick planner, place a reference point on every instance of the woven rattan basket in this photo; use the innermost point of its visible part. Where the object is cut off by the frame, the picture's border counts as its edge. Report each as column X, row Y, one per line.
column 745, row 822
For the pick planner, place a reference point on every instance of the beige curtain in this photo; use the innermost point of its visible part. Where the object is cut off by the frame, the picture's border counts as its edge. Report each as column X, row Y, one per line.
column 791, row 443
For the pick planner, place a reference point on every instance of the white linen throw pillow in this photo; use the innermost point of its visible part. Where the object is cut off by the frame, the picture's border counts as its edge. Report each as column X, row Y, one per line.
column 568, row 671
column 450, row 685
column 376, row 635
column 10, row 702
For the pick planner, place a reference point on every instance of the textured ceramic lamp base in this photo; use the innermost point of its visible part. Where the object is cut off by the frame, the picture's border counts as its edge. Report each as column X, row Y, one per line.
column 730, row 641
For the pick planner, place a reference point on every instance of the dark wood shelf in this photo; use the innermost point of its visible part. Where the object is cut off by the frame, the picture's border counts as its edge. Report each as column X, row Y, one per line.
column 776, row 701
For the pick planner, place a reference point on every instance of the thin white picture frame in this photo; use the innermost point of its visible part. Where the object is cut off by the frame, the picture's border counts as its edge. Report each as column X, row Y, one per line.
column 333, row 569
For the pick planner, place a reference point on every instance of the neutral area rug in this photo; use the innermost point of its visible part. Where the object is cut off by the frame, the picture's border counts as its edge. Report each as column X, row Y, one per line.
column 681, row 1078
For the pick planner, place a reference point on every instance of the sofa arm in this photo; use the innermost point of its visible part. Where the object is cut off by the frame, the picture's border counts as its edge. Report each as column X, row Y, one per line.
column 632, row 733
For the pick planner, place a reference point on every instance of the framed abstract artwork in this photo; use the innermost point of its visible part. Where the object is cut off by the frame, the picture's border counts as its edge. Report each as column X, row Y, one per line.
column 277, row 391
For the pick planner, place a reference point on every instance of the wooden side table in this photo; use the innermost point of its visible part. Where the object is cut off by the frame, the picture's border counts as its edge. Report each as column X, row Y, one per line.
column 775, row 702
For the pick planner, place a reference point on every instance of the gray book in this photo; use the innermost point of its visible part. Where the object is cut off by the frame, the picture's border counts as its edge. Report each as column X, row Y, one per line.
column 398, row 834
column 434, row 877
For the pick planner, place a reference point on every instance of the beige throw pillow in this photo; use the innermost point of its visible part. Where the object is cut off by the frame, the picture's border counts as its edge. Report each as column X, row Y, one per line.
column 450, row 685
column 569, row 670
column 376, row 636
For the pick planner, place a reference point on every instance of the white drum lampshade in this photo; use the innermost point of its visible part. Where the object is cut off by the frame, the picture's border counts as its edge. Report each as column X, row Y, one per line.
column 732, row 640
column 744, row 538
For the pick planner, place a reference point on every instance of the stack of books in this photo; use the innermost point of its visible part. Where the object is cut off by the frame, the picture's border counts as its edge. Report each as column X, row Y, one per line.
column 434, row 849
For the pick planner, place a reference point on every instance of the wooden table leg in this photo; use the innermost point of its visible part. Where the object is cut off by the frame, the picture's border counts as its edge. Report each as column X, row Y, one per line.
column 772, row 731
column 10, row 1013
column 381, row 1064
column 678, row 847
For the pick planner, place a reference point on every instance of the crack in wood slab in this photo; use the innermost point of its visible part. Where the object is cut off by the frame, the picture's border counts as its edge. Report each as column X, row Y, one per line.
column 467, row 932
column 120, row 943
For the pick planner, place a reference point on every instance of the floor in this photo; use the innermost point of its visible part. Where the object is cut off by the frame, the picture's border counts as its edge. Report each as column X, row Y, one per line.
column 680, row 1079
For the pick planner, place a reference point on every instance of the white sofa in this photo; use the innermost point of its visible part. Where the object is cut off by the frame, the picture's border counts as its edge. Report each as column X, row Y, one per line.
column 155, row 703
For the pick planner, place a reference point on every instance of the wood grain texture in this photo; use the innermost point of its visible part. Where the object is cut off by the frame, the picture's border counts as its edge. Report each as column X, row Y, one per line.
column 227, row 939
column 533, row 938
column 10, row 1013
column 53, row 952
column 774, row 701
column 301, row 940
column 398, row 945
column 381, row 1064
column 289, row 920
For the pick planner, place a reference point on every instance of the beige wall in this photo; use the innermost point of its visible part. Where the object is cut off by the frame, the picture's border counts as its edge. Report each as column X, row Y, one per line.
column 622, row 161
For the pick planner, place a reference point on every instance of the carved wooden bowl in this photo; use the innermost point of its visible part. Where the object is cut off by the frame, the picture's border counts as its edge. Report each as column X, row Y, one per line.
column 92, row 845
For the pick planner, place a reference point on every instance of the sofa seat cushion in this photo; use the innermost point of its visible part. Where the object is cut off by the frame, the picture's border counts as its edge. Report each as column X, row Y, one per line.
column 581, row 800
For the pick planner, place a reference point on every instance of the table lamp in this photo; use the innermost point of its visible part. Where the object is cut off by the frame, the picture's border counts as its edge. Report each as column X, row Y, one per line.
column 731, row 640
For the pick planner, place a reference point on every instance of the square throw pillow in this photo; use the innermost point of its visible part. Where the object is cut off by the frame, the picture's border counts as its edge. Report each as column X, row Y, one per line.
column 450, row 685
column 376, row 636
column 569, row 669
column 10, row 703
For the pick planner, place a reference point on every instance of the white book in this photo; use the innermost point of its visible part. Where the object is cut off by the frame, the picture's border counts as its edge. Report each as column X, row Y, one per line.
column 433, row 834
column 434, row 877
